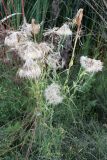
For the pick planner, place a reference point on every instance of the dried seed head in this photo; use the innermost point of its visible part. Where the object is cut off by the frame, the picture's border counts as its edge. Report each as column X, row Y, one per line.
column 78, row 18
column 91, row 65
column 26, row 28
column 50, row 31
column 54, row 61
column 53, row 95
column 22, row 38
column 29, row 50
column 45, row 47
column 11, row 39
column 14, row 39
column 64, row 30
column 30, row 70
column 35, row 27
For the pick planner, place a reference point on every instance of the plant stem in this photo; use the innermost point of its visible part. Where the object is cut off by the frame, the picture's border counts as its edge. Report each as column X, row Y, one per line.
column 73, row 55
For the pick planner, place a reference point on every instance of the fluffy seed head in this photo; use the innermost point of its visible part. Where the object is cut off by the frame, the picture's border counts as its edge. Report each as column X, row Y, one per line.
column 14, row 39
column 11, row 39
column 29, row 50
column 30, row 70
column 50, row 31
column 54, row 61
column 52, row 94
column 45, row 48
column 27, row 29
column 91, row 65
column 64, row 30
column 22, row 37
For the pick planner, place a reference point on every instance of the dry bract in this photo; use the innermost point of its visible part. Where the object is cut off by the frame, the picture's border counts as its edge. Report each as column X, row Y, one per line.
column 30, row 29
column 78, row 18
column 35, row 27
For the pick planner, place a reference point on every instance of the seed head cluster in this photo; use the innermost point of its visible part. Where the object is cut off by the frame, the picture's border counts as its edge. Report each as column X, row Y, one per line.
column 27, row 50
column 31, row 53
column 36, row 55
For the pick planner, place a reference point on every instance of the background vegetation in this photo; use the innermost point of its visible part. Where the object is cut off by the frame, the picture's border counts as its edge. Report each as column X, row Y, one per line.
column 75, row 130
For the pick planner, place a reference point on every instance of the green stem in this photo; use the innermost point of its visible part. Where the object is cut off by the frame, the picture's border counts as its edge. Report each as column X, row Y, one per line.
column 72, row 58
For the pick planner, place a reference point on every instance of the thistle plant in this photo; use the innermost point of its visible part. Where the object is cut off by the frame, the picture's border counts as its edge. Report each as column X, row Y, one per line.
column 52, row 124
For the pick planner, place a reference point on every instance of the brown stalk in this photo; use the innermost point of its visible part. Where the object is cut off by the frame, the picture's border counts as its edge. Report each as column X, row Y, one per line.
column 78, row 21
